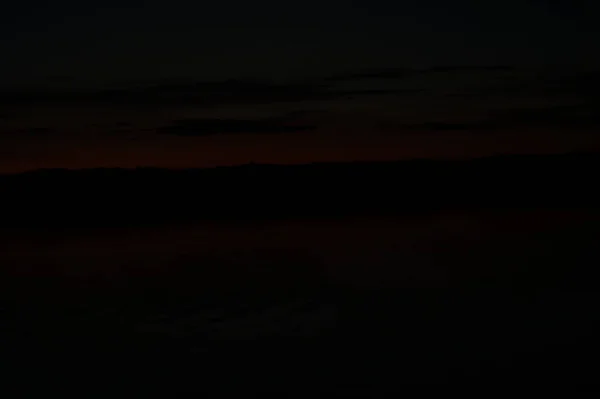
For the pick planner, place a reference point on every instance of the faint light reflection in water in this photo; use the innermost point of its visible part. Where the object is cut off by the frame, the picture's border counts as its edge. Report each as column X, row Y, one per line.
column 359, row 250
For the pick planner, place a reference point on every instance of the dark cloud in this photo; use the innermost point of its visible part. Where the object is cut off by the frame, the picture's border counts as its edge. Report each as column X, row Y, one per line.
column 584, row 85
column 217, row 93
column 206, row 94
column 403, row 72
column 227, row 92
column 564, row 116
column 573, row 84
column 36, row 131
column 209, row 127
column 374, row 92
column 385, row 73
column 446, row 126
column 436, row 126
column 469, row 68
column 33, row 97
column 560, row 116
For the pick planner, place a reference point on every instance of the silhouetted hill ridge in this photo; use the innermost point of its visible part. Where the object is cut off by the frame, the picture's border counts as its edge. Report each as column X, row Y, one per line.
column 259, row 191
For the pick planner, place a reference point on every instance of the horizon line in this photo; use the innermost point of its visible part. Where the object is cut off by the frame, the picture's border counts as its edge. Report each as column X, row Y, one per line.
column 300, row 164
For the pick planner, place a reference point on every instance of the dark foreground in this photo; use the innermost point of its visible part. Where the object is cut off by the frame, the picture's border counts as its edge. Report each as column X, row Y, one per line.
column 509, row 301
column 520, row 307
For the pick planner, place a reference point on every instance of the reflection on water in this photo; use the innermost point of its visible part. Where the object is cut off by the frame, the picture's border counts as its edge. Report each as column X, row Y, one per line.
column 360, row 250
column 247, row 295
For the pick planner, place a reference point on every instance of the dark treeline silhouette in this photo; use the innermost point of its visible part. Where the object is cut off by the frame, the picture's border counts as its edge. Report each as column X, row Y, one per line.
column 319, row 190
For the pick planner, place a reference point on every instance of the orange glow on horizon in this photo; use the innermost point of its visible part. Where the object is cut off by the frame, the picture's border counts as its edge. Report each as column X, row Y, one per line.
column 192, row 152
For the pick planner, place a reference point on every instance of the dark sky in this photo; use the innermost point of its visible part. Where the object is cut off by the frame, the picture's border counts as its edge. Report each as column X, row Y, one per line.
column 97, row 42
column 201, row 83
